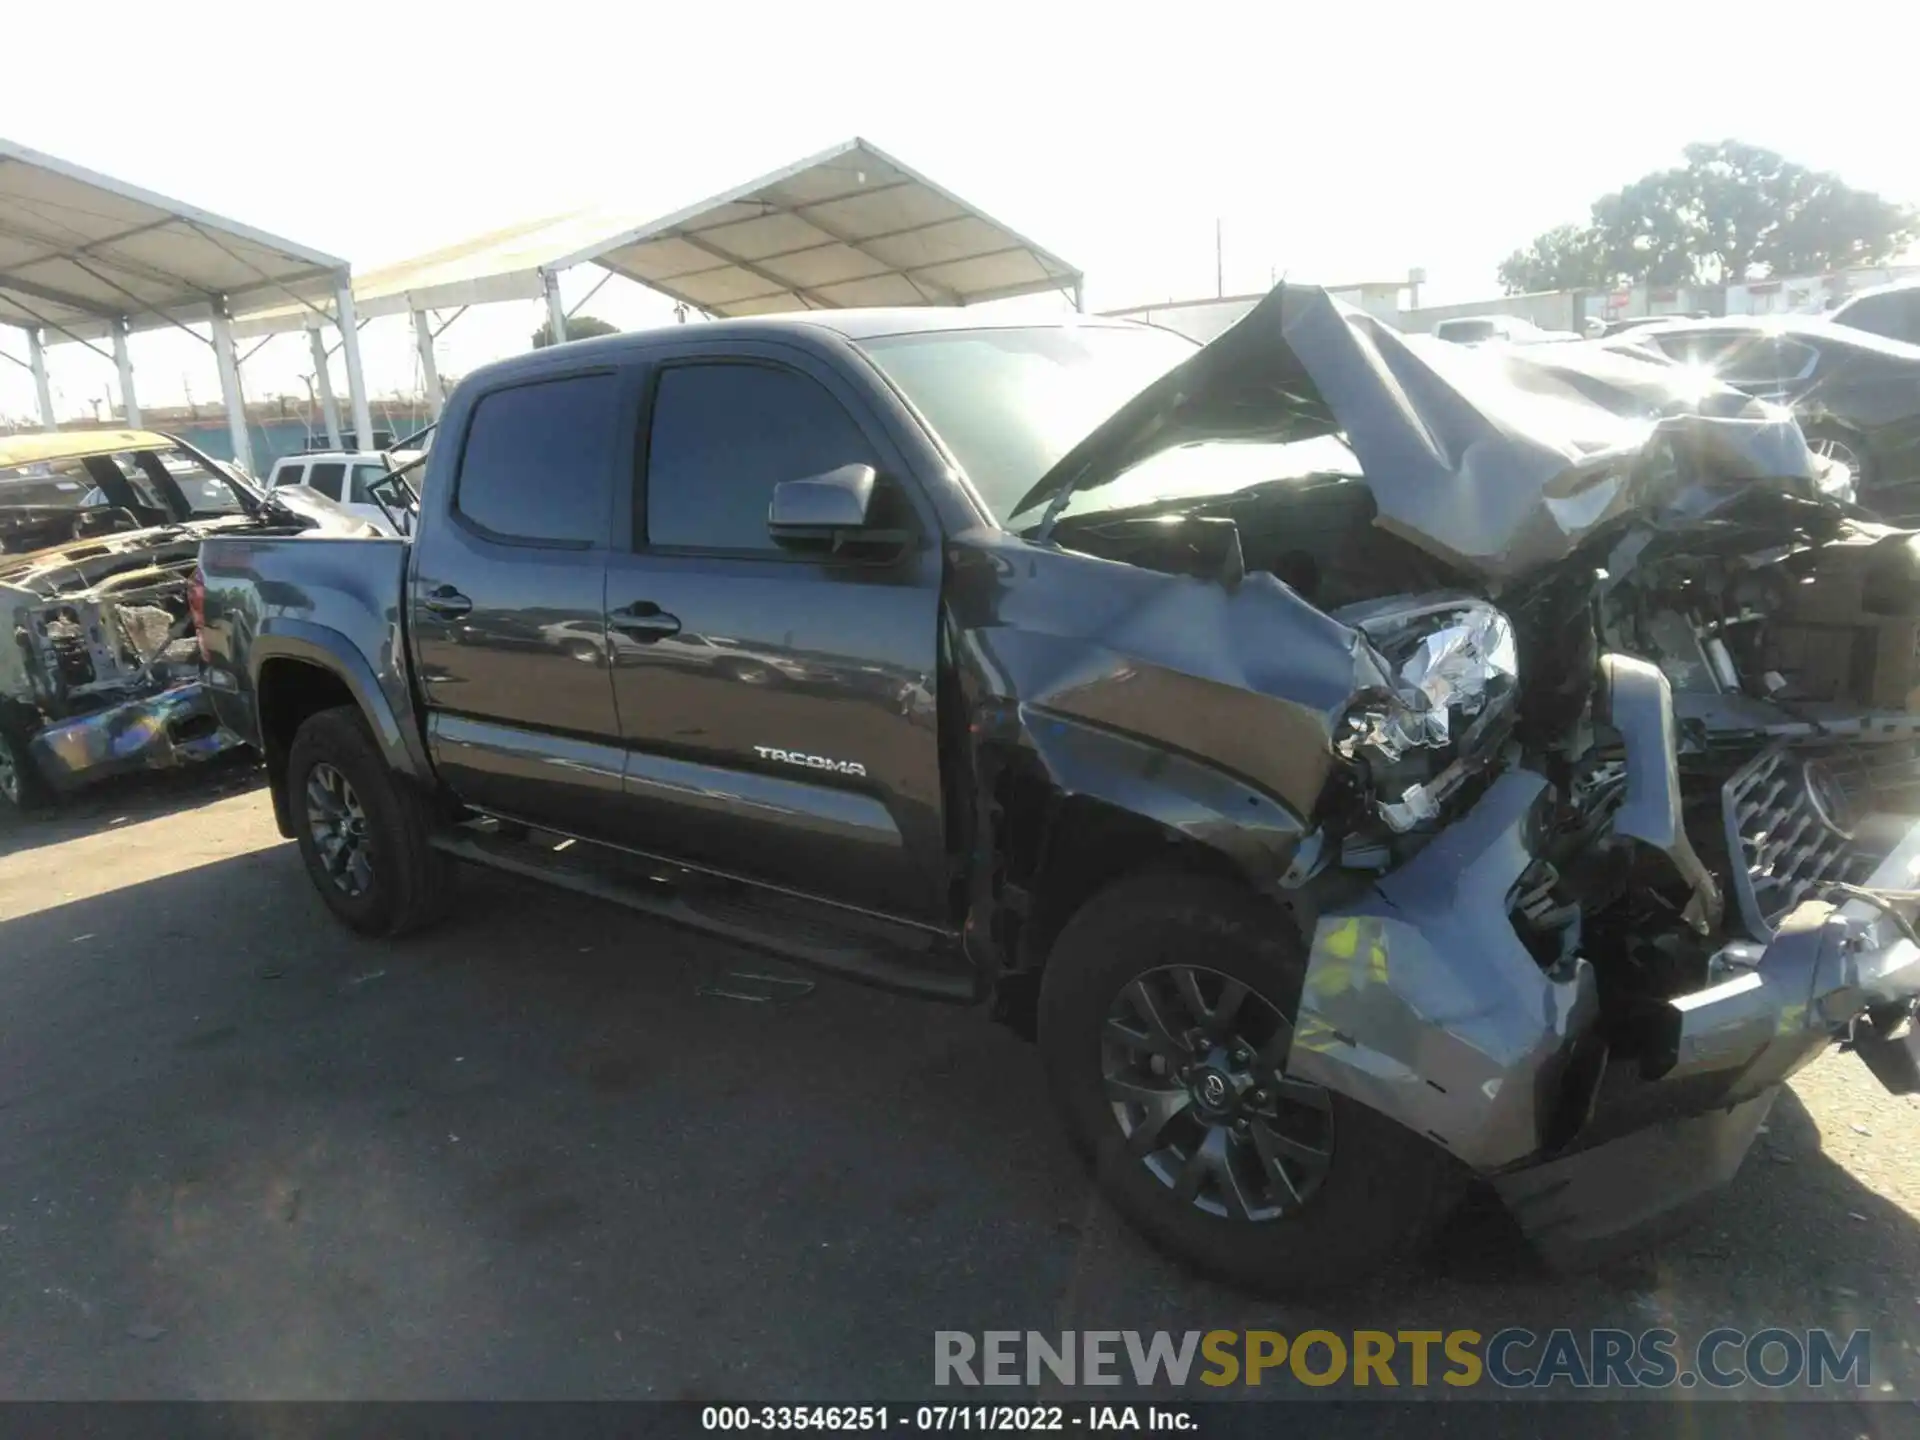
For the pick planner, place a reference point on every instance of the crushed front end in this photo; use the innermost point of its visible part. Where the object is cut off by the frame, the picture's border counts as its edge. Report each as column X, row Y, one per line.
column 1624, row 829
column 1633, row 864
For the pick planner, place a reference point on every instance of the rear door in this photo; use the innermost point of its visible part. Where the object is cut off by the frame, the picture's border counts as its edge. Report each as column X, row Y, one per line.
column 778, row 709
column 507, row 601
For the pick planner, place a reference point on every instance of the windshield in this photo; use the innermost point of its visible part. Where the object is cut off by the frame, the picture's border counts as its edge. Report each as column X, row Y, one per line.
column 1009, row 403
column 150, row 487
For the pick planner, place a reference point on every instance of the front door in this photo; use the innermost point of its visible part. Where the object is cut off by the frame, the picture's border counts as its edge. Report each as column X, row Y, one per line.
column 508, row 607
column 778, row 709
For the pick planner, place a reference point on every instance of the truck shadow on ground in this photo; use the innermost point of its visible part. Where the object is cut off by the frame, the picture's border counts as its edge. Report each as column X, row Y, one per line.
column 127, row 799
column 533, row 1154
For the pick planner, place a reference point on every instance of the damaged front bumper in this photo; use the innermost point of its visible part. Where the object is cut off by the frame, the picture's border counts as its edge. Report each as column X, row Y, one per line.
column 175, row 726
column 1421, row 1002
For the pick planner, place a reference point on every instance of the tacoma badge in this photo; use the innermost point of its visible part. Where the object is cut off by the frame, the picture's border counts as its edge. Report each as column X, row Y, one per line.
column 810, row 762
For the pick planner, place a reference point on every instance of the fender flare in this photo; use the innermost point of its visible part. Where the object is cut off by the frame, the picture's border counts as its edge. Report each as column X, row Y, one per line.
column 401, row 744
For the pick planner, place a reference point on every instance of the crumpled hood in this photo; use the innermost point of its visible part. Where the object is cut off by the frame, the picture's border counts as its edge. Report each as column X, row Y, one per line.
column 1496, row 459
column 77, row 564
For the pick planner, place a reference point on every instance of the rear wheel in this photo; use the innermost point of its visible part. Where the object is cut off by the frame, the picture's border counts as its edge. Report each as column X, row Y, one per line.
column 1166, row 1016
column 363, row 833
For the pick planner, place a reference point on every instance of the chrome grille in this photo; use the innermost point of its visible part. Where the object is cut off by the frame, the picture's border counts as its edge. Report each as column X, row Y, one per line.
column 1782, row 839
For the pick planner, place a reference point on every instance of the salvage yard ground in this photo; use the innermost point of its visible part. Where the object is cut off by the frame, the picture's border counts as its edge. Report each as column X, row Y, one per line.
column 532, row 1154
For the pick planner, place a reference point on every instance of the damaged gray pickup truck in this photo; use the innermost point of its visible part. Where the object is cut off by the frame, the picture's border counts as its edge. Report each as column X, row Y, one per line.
column 1362, row 766
column 100, row 532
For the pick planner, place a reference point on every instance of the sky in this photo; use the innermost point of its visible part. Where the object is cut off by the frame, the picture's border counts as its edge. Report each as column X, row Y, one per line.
column 1332, row 143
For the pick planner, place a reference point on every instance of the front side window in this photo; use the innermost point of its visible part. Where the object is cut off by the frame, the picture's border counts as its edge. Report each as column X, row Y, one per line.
column 289, row 475
column 723, row 436
column 539, row 460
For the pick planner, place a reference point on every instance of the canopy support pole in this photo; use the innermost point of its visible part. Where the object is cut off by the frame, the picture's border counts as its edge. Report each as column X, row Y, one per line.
column 329, row 407
column 37, row 362
column 123, row 362
column 1079, row 295
column 556, row 312
column 356, row 378
column 430, row 373
column 230, row 392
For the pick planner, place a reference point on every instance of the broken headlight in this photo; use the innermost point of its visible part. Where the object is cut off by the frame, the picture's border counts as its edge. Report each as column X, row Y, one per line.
column 1455, row 673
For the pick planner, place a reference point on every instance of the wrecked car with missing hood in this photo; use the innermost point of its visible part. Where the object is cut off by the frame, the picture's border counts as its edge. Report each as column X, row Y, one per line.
column 1360, row 767
column 99, row 538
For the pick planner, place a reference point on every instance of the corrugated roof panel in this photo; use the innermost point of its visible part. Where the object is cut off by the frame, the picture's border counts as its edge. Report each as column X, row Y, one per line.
column 826, row 264
column 837, row 229
column 884, row 212
column 78, row 249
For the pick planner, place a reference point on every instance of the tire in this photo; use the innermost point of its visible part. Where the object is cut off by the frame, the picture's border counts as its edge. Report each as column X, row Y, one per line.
column 22, row 787
column 387, row 880
column 1377, row 1190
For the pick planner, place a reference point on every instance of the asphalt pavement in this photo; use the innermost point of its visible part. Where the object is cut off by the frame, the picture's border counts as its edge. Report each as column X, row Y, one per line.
column 554, row 1150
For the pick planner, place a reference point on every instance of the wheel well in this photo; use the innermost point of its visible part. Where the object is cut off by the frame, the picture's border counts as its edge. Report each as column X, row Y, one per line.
column 1051, row 853
column 287, row 694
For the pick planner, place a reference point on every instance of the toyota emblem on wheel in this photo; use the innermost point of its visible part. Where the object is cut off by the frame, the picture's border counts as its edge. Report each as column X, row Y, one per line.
column 1214, row 1090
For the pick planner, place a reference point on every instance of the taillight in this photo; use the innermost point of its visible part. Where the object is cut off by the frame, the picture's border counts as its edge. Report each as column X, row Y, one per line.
column 197, row 608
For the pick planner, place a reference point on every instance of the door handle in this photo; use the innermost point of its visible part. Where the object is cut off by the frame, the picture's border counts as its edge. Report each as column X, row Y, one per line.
column 644, row 621
column 447, row 601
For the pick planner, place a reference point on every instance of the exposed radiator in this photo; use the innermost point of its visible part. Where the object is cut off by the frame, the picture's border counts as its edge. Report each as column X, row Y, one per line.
column 1783, row 841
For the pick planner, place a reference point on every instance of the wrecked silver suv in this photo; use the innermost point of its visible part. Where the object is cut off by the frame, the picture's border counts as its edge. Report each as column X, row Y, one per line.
column 99, row 540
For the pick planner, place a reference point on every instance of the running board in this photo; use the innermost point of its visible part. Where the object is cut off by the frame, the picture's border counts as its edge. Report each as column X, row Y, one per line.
column 915, row 963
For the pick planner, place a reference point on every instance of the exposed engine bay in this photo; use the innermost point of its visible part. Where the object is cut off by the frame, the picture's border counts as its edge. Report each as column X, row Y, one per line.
column 91, row 647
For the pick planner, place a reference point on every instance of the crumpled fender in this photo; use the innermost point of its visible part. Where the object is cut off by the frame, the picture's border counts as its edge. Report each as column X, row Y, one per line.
column 1258, row 833
column 1421, row 1002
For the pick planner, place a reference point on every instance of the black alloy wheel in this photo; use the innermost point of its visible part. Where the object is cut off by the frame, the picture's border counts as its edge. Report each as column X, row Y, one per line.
column 338, row 823
column 1192, row 1061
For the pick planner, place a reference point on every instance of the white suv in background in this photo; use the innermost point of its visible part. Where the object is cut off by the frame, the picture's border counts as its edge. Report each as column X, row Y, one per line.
column 342, row 476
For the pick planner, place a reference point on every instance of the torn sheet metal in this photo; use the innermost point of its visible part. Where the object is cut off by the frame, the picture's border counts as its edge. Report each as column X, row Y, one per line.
column 1497, row 460
column 1421, row 1002
column 177, row 726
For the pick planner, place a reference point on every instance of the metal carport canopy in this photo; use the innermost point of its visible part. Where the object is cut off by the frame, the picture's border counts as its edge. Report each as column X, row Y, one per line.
column 851, row 226
column 848, row 227
column 85, row 256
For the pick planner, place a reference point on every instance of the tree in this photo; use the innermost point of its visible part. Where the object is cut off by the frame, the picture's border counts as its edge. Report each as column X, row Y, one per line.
column 579, row 327
column 1567, row 257
column 1732, row 212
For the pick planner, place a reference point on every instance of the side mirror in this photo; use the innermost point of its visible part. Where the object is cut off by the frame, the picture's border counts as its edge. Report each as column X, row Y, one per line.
column 816, row 507
column 830, row 514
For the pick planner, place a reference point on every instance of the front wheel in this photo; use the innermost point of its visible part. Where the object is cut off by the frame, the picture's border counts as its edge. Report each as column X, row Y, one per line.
column 1166, row 1015
column 364, row 835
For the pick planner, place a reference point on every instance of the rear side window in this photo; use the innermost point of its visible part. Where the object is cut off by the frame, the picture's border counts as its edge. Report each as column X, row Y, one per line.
column 723, row 436
column 363, row 476
column 325, row 477
column 539, row 461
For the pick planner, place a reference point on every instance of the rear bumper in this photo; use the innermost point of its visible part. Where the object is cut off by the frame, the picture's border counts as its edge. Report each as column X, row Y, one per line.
column 176, row 726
